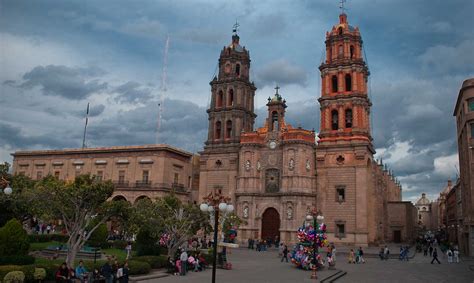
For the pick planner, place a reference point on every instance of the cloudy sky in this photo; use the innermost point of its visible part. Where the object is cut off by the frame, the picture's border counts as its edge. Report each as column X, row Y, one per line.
column 56, row 56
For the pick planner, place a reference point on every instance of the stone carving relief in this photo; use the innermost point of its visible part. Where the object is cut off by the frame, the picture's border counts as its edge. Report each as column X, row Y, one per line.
column 246, row 211
column 247, row 165
column 259, row 166
column 308, row 165
column 289, row 213
column 291, row 164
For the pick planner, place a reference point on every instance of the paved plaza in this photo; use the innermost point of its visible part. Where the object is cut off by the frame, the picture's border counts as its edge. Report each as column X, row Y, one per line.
column 251, row 266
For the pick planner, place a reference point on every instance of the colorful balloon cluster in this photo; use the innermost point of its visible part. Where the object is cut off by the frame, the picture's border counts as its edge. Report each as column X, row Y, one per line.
column 302, row 254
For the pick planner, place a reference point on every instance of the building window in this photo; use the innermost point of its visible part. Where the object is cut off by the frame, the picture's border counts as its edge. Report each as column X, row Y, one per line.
column 218, row 130
column 56, row 174
column 189, row 181
column 121, row 177
column 231, row 97
column 340, row 52
column 348, row 80
column 99, row 175
column 237, row 69
column 275, row 126
column 348, row 118
column 334, row 83
column 419, row 216
column 340, row 194
column 22, row 173
column 39, row 175
column 340, row 230
column 470, row 104
column 352, row 51
column 472, row 130
column 145, row 176
column 334, row 120
column 228, row 129
column 340, row 32
column 176, row 178
column 220, row 98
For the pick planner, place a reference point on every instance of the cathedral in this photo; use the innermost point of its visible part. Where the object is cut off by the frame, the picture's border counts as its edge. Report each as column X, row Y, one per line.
column 275, row 174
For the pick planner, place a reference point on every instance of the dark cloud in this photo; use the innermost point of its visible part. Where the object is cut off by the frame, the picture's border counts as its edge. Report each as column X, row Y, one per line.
column 94, row 111
column 15, row 138
column 69, row 82
column 133, row 92
column 281, row 72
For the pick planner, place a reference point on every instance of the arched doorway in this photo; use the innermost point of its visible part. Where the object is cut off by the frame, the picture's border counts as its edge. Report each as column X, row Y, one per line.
column 270, row 223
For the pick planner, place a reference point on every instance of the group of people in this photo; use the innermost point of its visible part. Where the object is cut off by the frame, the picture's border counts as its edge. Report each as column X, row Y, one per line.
column 262, row 244
column 404, row 253
column 182, row 263
column 110, row 273
column 384, row 253
column 357, row 256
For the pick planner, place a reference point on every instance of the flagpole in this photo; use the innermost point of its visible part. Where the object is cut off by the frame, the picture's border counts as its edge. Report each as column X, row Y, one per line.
column 85, row 127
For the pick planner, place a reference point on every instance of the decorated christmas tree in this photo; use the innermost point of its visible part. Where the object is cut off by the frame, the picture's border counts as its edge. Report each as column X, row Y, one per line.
column 303, row 253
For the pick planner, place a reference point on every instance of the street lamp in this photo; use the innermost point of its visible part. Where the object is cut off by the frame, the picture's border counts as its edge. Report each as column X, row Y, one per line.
column 8, row 190
column 316, row 217
column 212, row 204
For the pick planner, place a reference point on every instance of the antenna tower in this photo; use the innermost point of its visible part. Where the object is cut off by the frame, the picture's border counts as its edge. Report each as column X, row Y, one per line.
column 163, row 87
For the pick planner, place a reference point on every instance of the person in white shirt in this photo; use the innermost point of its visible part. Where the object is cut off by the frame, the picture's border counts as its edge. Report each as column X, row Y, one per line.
column 184, row 262
column 449, row 253
column 456, row 255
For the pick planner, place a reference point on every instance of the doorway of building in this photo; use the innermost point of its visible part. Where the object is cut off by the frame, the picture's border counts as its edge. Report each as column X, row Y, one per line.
column 397, row 236
column 270, row 224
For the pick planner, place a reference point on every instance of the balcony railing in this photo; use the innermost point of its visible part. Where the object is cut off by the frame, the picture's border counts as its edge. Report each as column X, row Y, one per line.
column 178, row 187
column 121, row 184
column 143, row 184
column 147, row 185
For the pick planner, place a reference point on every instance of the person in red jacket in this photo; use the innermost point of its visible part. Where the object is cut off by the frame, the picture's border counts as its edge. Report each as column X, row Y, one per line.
column 62, row 274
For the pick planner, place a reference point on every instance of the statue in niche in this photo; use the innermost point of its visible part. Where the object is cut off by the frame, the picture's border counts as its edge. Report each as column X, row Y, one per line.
column 308, row 165
column 259, row 166
column 247, row 165
column 291, row 164
column 246, row 212
column 289, row 213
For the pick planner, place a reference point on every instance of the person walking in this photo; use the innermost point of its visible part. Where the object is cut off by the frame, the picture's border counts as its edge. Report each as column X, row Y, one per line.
column 184, row 262
column 280, row 249
column 431, row 250
column 128, row 249
column 435, row 256
column 456, row 255
column 425, row 250
column 285, row 254
column 351, row 256
column 449, row 253
column 106, row 271
column 361, row 255
column 386, row 253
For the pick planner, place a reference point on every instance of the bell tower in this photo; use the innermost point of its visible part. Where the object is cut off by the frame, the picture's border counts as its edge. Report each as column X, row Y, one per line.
column 232, row 97
column 345, row 105
column 276, row 112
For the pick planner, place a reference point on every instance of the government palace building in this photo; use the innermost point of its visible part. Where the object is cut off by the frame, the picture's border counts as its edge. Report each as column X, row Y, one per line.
column 273, row 173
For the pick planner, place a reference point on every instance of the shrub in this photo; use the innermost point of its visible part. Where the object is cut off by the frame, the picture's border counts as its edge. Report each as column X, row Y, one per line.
column 153, row 261
column 139, row 267
column 14, row 277
column 13, row 239
column 17, row 260
column 99, row 237
column 40, row 274
column 146, row 243
column 27, row 270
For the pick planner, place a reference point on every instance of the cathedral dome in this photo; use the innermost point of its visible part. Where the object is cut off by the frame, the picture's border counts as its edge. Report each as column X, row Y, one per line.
column 423, row 200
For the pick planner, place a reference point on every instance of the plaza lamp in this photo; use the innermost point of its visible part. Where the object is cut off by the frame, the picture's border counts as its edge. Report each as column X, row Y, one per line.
column 316, row 217
column 213, row 204
column 7, row 190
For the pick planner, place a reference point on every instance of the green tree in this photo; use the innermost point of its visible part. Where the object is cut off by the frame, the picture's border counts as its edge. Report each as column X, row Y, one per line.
column 169, row 216
column 13, row 239
column 99, row 236
column 78, row 204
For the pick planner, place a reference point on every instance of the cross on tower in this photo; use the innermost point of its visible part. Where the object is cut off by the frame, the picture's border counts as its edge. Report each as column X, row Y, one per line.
column 341, row 6
column 235, row 27
column 277, row 88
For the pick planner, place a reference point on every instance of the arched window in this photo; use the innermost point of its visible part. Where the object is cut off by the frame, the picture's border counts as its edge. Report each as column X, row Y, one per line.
column 275, row 126
column 220, row 98
column 340, row 52
column 334, row 83
column 330, row 54
column 237, row 69
column 352, row 51
column 217, row 130
column 228, row 129
column 348, row 118
column 231, row 97
column 334, row 120
column 340, row 31
column 348, row 80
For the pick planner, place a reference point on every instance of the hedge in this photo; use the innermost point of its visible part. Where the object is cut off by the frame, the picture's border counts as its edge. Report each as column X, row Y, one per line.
column 28, row 270
column 42, row 238
column 17, row 260
column 153, row 261
column 14, row 277
column 138, row 267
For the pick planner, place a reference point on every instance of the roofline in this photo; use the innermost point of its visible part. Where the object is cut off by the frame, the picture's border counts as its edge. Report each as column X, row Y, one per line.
column 469, row 83
column 150, row 147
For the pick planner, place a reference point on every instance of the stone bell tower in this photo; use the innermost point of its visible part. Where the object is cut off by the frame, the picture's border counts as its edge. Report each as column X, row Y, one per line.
column 344, row 154
column 231, row 112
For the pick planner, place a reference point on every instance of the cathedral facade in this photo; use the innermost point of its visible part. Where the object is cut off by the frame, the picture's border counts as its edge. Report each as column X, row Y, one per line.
column 276, row 174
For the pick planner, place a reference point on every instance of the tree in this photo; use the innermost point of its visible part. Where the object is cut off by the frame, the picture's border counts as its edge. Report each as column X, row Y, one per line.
column 13, row 239
column 171, row 220
column 78, row 204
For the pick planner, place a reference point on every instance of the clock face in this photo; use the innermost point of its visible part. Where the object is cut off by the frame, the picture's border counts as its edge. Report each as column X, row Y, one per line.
column 272, row 144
